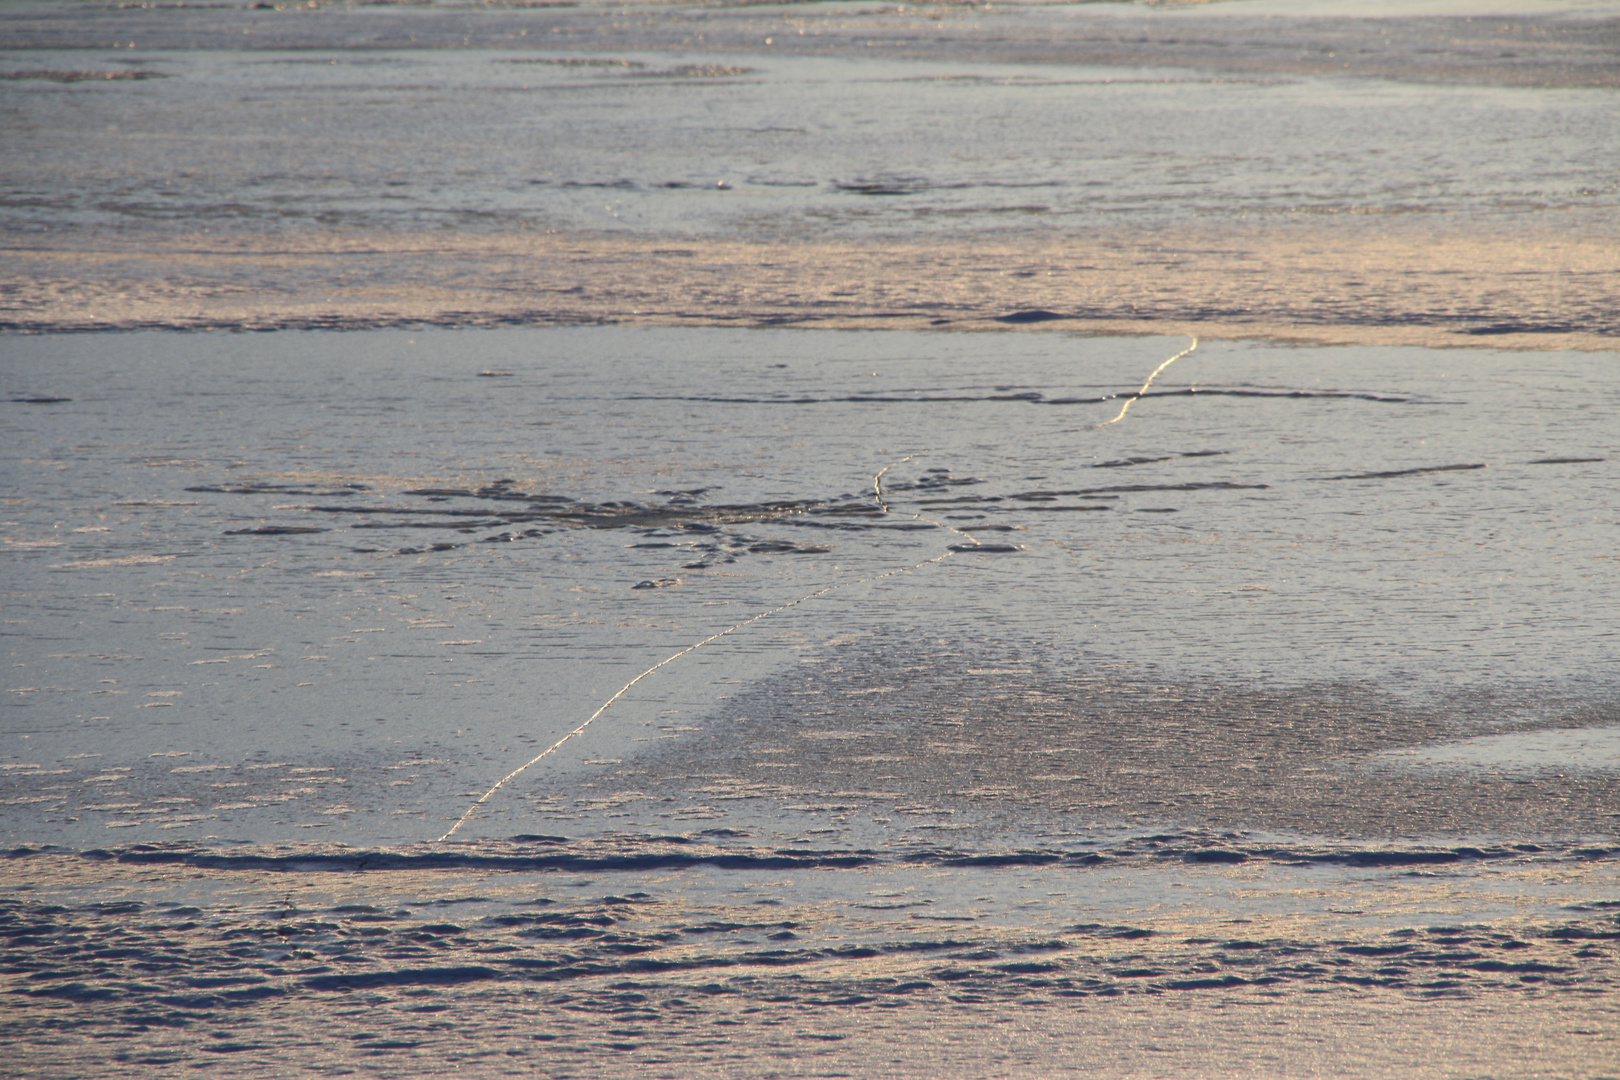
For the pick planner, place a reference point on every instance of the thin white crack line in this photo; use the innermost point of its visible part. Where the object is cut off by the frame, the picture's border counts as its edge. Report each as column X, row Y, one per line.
column 1134, row 398
column 515, row 773
column 877, row 481
column 877, row 492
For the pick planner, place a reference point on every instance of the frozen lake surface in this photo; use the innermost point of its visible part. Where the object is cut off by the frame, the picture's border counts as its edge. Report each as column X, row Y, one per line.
column 580, row 666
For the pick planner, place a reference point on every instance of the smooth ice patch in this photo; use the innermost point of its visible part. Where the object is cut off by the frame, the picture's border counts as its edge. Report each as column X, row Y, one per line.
column 1531, row 751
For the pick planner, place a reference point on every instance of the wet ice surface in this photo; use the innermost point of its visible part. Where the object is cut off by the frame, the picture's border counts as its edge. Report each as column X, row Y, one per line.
column 1298, row 678
column 340, row 581
column 934, row 140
